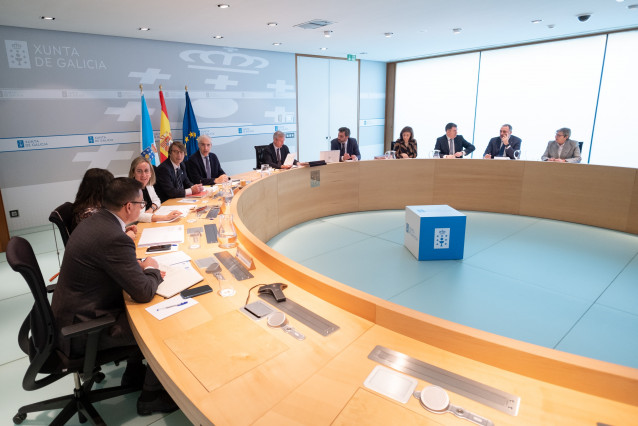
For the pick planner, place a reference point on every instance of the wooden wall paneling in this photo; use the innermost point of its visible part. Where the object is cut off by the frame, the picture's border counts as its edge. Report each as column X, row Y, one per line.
column 337, row 193
column 395, row 184
column 483, row 185
column 632, row 217
column 588, row 194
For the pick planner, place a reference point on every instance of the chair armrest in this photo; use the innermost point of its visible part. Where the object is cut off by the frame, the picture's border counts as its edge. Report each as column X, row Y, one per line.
column 87, row 327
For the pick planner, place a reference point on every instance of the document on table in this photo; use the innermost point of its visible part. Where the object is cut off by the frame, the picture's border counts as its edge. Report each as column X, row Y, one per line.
column 170, row 259
column 164, row 210
column 162, row 235
column 290, row 159
column 170, row 306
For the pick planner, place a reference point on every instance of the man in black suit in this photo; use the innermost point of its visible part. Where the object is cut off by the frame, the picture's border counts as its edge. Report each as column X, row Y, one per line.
column 171, row 178
column 347, row 146
column 503, row 146
column 452, row 145
column 99, row 262
column 275, row 154
column 203, row 166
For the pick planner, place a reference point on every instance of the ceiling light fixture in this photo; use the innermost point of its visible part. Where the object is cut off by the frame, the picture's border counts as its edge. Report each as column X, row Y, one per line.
column 218, row 36
column 47, row 18
column 536, row 21
column 144, row 29
column 457, row 30
column 223, row 6
column 327, row 33
column 620, row 1
column 323, row 48
column 388, row 35
column 277, row 44
column 272, row 24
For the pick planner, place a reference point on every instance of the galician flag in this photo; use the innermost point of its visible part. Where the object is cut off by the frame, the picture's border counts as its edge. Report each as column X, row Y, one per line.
column 189, row 127
column 165, row 136
column 147, row 141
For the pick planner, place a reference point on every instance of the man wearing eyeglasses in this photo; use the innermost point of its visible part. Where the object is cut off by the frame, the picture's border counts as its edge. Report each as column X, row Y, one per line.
column 562, row 149
column 99, row 262
column 172, row 181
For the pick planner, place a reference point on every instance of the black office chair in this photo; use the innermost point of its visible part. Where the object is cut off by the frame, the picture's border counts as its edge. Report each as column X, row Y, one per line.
column 259, row 155
column 38, row 337
column 580, row 147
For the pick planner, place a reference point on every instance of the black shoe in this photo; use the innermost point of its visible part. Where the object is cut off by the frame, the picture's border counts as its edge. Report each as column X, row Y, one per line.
column 155, row 402
column 134, row 375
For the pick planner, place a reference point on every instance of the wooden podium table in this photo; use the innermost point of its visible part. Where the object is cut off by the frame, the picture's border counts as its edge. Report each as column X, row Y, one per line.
column 224, row 368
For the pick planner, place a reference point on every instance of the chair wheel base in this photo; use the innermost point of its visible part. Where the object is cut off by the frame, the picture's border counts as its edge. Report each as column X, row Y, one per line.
column 19, row 418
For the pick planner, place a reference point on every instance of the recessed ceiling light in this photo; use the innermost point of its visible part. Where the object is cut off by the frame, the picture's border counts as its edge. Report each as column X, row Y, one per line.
column 323, row 48
column 457, row 30
column 144, row 29
column 218, row 36
column 277, row 44
column 272, row 24
column 536, row 21
column 388, row 35
column 47, row 18
column 327, row 33
column 620, row 1
column 223, row 6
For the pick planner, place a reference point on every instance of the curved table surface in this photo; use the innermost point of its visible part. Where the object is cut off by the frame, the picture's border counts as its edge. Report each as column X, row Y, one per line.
column 224, row 368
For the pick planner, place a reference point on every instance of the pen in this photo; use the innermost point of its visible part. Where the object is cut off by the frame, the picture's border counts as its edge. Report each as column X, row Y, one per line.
column 173, row 306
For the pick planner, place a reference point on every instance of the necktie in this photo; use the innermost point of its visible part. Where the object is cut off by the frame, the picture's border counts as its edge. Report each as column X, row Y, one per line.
column 207, row 168
column 502, row 150
column 451, row 146
column 343, row 150
column 278, row 157
column 180, row 185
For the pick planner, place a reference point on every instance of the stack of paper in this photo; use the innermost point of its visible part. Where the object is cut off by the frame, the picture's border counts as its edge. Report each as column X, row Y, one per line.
column 162, row 235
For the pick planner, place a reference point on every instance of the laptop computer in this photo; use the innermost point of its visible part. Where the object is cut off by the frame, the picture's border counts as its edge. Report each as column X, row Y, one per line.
column 329, row 156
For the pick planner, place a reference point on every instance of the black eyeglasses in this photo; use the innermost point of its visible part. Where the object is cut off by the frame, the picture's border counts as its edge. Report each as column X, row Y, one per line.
column 140, row 203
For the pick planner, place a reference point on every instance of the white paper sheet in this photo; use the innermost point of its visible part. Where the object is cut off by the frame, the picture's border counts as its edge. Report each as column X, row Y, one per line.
column 168, row 307
column 162, row 235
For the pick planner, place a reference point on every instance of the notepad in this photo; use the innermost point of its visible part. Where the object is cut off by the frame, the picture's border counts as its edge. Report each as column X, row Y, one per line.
column 178, row 277
column 162, row 235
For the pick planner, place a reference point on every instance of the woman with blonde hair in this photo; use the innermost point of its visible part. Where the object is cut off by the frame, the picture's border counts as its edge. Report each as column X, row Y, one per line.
column 142, row 171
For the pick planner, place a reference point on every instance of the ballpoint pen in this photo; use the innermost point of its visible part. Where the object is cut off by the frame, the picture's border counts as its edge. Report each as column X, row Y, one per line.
column 173, row 306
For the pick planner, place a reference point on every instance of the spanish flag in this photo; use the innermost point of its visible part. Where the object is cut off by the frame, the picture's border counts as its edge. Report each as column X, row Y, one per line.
column 165, row 136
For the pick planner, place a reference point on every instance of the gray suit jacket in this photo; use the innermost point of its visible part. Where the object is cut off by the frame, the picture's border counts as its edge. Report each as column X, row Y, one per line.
column 99, row 262
column 570, row 153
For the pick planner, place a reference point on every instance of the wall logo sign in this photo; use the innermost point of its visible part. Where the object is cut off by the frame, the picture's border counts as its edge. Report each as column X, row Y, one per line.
column 441, row 238
column 91, row 139
column 17, row 54
column 20, row 143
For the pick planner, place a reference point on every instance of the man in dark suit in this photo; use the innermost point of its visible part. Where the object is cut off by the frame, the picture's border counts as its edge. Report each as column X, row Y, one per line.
column 99, row 262
column 503, row 146
column 348, row 147
column 452, row 145
column 275, row 154
column 171, row 178
column 203, row 166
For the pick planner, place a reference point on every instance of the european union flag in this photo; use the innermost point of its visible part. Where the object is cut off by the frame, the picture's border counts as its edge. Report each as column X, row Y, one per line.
column 189, row 128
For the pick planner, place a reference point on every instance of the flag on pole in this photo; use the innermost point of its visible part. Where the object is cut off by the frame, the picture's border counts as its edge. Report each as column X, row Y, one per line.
column 165, row 136
column 147, row 141
column 189, row 127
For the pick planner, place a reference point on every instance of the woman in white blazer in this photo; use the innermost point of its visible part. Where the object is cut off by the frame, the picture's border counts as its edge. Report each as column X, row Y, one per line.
column 142, row 171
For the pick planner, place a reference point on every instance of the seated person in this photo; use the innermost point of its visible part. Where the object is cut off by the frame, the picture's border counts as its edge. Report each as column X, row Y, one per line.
column 452, row 145
column 405, row 146
column 142, row 171
column 348, row 147
column 562, row 149
column 203, row 166
column 275, row 154
column 88, row 199
column 172, row 181
column 99, row 262
column 504, row 145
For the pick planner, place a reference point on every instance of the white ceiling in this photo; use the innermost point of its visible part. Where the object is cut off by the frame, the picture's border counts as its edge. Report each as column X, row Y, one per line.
column 421, row 27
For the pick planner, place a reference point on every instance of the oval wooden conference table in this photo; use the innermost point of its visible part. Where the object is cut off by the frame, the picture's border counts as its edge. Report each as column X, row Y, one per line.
column 222, row 367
